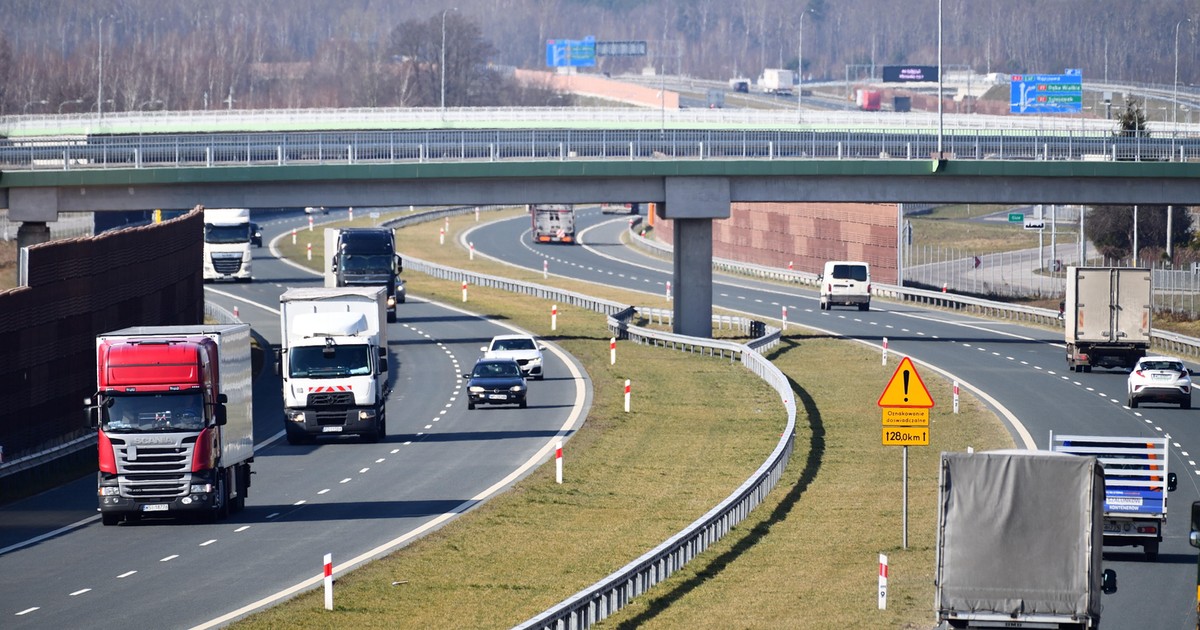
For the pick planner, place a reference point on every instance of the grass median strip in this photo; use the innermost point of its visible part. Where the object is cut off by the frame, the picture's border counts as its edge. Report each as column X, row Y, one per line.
column 805, row 558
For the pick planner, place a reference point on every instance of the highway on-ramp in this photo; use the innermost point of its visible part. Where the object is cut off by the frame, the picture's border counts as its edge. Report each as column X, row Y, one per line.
column 59, row 567
column 1019, row 371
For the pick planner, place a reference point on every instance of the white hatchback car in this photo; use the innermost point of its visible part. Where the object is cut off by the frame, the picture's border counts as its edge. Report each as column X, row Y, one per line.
column 1160, row 379
column 523, row 348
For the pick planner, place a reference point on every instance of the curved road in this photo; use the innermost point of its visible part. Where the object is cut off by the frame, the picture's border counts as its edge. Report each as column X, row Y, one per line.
column 1019, row 371
column 61, row 568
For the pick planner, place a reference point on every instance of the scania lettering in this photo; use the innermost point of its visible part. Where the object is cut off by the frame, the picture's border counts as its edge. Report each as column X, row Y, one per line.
column 176, row 427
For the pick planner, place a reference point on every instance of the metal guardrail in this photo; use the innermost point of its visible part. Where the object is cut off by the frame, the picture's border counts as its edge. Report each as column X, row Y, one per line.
column 891, row 141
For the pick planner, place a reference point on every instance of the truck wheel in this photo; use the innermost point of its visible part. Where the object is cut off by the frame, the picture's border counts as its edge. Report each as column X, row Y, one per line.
column 109, row 519
column 866, row 306
column 1132, row 402
column 470, row 405
column 391, row 317
column 1151, row 551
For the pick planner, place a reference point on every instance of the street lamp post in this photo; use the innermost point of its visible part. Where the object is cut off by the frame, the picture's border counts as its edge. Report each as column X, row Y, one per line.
column 25, row 110
column 77, row 101
column 939, row 91
column 1175, row 95
column 800, row 67
column 442, row 67
column 100, row 68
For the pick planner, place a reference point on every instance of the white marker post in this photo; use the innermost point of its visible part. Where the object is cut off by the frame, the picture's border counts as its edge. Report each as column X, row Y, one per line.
column 235, row 312
column 791, row 267
column 472, row 244
column 955, row 396
column 309, row 224
column 309, row 249
column 545, row 268
column 784, row 320
column 554, row 317
column 464, row 290
column 558, row 463
column 328, row 581
column 350, row 210
column 626, row 395
column 612, row 351
column 442, row 236
column 885, row 350
column 477, row 214
column 293, row 236
column 883, row 577
column 668, row 290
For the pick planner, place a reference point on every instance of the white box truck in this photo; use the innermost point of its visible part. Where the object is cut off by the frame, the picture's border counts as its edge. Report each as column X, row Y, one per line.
column 227, row 235
column 776, row 81
column 1019, row 541
column 173, row 407
column 334, row 362
column 1106, row 316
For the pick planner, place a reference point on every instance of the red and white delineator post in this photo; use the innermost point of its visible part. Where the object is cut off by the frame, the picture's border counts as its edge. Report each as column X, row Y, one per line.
column 883, row 579
column 612, row 351
column 955, row 396
column 626, row 395
column 464, row 290
column 554, row 317
column 558, row 463
column 885, row 350
column 328, row 581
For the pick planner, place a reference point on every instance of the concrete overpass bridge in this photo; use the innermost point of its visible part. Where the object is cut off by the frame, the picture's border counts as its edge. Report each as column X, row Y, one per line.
column 692, row 170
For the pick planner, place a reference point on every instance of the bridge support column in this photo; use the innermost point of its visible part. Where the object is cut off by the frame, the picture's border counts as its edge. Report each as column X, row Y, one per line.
column 33, row 207
column 691, row 204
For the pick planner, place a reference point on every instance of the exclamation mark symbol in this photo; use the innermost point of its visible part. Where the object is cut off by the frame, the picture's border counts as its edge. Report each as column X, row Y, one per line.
column 905, row 385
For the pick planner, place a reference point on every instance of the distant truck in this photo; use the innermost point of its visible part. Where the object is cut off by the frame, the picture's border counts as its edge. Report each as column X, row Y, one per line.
column 1106, row 316
column 1137, row 482
column 1019, row 541
column 227, row 236
column 715, row 98
column 334, row 362
column 619, row 208
column 776, row 81
column 176, row 426
column 365, row 257
column 552, row 223
column 869, row 100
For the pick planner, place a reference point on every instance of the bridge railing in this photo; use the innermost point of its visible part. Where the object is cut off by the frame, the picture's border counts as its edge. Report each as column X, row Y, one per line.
column 493, row 145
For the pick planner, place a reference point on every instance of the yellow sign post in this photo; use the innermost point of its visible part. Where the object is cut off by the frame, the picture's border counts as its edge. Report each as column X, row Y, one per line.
column 905, row 402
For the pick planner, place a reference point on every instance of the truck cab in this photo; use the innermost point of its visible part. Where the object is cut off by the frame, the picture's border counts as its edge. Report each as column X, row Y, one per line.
column 227, row 240
column 365, row 257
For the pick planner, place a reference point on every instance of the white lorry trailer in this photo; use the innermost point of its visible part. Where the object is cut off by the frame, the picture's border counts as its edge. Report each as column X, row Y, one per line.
column 227, row 235
column 334, row 362
column 1106, row 317
column 776, row 81
column 173, row 407
column 1137, row 480
column 1019, row 541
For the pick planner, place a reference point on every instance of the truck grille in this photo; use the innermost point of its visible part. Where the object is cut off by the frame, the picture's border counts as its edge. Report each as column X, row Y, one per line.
column 330, row 408
column 154, row 471
column 227, row 264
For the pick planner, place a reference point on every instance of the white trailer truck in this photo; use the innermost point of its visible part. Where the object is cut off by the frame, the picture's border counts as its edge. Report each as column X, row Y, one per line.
column 1106, row 317
column 1019, row 541
column 776, row 81
column 227, row 254
column 334, row 362
column 1137, row 480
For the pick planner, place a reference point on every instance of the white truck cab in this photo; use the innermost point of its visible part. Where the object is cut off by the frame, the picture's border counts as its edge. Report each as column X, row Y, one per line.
column 846, row 282
column 227, row 254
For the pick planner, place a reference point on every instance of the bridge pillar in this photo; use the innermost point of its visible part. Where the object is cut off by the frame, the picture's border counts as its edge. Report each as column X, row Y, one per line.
column 691, row 204
column 33, row 207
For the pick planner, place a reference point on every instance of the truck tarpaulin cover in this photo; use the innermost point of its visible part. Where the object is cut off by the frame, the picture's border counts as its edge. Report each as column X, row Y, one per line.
column 1017, row 533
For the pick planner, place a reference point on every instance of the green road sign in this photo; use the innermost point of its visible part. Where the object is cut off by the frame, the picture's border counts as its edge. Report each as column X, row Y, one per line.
column 1016, row 217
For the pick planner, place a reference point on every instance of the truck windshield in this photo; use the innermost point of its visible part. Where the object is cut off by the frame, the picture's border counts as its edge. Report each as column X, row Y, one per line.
column 366, row 263
column 227, row 233
column 311, row 362
column 151, row 413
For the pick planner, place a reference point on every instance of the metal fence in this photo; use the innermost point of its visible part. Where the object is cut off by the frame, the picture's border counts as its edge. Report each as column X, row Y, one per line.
column 457, row 145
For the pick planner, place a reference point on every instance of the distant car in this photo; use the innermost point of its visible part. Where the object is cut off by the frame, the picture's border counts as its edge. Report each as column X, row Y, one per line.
column 1160, row 379
column 523, row 349
column 255, row 235
column 496, row 382
column 315, row 210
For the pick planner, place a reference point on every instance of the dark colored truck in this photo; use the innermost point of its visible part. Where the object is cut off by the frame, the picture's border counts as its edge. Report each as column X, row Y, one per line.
column 357, row 257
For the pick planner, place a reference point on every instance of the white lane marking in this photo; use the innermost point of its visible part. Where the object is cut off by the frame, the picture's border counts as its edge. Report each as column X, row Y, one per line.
column 381, row 460
column 320, row 492
column 79, row 592
column 241, row 529
column 396, row 450
column 27, row 611
column 169, row 558
column 272, row 515
column 213, row 540
column 363, row 470
column 300, row 502
column 346, row 480
column 126, row 574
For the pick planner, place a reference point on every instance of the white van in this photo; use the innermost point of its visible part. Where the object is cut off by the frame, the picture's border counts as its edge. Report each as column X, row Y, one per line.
column 846, row 282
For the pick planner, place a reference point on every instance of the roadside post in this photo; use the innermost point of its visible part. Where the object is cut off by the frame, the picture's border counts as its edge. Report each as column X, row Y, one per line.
column 905, row 402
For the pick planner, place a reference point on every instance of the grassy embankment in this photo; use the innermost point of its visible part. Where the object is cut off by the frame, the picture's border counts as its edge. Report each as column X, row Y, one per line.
column 805, row 558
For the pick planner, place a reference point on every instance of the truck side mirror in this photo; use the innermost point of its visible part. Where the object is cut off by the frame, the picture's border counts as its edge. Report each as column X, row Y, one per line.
column 399, row 264
column 1108, row 582
column 1194, row 535
column 92, row 412
column 383, row 364
column 1172, row 482
column 278, row 360
column 219, row 416
column 222, row 399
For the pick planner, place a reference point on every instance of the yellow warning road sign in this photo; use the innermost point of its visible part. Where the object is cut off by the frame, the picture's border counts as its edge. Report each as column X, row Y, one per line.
column 906, row 389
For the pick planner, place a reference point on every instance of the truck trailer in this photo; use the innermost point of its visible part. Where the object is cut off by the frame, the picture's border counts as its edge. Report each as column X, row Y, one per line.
column 1137, row 481
column 776, row 81
column 175, row 418
column 1106, row 316
column 1019, row 541
column 365, row 257
column 552, row 223
column 227, row 237
column 334, row 362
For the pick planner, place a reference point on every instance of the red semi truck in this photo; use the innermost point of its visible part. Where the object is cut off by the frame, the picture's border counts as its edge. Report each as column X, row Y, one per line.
column 176, row 426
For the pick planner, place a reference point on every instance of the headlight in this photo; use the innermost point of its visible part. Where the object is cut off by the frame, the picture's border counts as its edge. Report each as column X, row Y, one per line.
column 296, row 416
column 517, row 389
column 366, row 414
column 535, row 361
column 108, row 491
column 475, row 390
column 201, row 488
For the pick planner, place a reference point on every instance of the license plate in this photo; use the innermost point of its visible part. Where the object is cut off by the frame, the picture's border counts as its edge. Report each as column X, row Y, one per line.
column 154, row 507
column 497, row 397
column 1111, row 527
column 332, row 429
column 1162, row 377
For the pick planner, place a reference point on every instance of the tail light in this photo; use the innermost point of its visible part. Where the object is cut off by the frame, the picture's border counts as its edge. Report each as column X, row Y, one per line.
column 108, row 459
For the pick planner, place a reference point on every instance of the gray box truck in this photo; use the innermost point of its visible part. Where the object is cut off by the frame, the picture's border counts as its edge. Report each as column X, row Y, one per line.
column 1106, row 317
